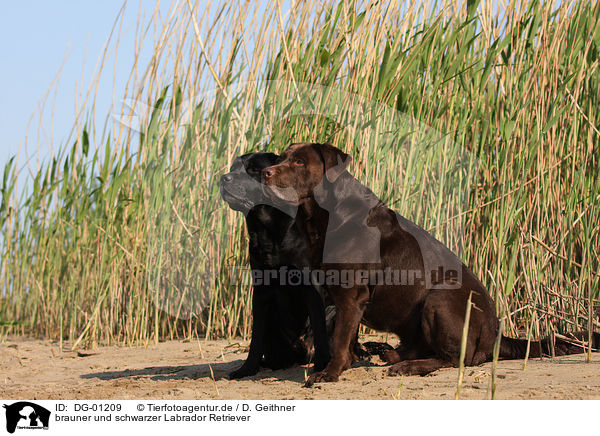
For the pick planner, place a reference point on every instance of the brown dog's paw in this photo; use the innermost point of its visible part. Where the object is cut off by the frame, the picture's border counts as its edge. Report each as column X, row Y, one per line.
column 320, row 377
column 401, row 368
column 391, row 356
column 418, row 367
column 377, row 348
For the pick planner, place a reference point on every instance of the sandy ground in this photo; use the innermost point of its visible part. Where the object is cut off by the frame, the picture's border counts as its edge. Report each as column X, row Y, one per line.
column 35, row 369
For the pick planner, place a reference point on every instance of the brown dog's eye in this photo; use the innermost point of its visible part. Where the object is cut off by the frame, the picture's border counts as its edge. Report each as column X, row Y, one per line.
column 299, row 162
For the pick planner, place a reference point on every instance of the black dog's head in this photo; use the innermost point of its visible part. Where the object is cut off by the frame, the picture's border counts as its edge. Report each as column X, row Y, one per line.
column 241, row 187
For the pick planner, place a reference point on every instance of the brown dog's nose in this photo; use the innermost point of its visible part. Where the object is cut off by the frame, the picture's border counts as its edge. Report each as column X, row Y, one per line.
column 268, row 173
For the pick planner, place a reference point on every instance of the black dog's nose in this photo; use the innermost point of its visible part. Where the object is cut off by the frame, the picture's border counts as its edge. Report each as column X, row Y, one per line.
column 226, row 178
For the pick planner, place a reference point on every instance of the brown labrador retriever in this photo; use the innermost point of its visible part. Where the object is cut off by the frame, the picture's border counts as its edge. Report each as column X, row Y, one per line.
column 387, row 272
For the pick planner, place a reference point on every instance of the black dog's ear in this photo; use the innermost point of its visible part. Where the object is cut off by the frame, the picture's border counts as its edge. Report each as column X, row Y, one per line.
column 336, row 161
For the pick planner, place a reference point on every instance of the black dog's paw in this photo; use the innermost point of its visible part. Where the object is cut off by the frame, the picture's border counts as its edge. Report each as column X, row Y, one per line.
column 244, row 371
column 377, row 348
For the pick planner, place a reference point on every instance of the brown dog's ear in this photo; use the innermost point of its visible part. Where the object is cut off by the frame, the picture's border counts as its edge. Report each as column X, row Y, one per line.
column 336, row 161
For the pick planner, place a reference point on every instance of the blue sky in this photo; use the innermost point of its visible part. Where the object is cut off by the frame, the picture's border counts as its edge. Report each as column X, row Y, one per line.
column 35, row 38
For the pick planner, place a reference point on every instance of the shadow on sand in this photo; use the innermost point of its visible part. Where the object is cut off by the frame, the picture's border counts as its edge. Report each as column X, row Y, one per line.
column 216, row 371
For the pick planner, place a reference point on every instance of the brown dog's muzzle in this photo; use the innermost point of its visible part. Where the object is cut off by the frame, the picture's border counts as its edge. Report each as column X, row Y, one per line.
column 277, row 186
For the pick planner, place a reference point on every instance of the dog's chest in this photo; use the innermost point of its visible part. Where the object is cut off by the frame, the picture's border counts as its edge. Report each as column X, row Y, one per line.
column 276, row 247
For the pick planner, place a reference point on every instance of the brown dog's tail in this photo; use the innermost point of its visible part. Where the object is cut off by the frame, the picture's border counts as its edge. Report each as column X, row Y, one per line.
column 575, row 343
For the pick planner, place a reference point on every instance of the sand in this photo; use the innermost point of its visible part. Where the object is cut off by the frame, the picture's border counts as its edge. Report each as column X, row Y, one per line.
column 38, row 370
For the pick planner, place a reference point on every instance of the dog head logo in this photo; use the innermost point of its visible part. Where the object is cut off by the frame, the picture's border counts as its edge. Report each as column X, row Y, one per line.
column 26, row 415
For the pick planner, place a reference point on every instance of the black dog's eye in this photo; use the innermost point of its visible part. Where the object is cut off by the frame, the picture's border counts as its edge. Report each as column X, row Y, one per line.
column 299, row 162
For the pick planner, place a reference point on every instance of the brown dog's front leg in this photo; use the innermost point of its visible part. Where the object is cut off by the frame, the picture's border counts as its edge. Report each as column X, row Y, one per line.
column 350, row 305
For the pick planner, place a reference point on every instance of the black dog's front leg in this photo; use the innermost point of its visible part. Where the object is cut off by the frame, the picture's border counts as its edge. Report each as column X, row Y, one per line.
column 257, row 342
column 316, row 314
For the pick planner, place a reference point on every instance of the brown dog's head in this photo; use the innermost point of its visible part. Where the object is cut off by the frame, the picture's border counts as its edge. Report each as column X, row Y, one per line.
column 301, row 168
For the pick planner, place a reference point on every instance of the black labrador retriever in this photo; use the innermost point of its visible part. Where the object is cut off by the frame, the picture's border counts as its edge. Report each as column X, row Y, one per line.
column 281, row 334
column 404, row 280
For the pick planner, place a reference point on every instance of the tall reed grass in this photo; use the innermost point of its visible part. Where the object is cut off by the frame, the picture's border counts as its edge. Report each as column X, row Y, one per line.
column 479, row 123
